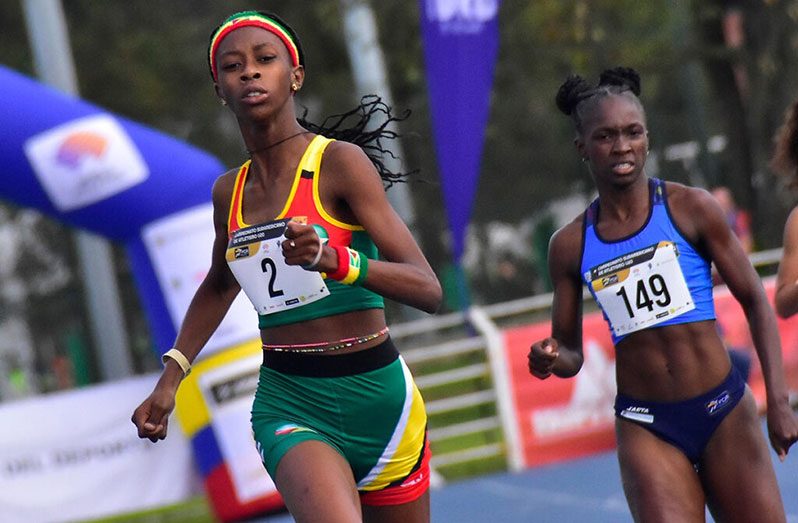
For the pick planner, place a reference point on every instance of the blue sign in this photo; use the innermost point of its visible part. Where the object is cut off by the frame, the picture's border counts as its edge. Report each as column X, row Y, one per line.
column 460, row 46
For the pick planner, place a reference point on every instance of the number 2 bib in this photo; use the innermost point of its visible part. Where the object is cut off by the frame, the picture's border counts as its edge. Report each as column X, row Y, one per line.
column 641, row 289
column 256, row 260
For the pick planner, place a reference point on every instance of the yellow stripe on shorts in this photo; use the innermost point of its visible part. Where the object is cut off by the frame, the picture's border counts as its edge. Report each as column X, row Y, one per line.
column 403, row 450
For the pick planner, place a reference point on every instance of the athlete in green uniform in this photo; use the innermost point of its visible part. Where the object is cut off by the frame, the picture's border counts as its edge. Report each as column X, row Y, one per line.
column 337, row 418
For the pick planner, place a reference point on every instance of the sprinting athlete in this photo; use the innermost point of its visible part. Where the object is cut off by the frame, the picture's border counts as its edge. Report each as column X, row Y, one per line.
column 305, row 229
column 687, row 428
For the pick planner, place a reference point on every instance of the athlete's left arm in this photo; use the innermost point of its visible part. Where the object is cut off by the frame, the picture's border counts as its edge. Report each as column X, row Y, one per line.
column 403, row 273
column 786, row 299
column 700, row 217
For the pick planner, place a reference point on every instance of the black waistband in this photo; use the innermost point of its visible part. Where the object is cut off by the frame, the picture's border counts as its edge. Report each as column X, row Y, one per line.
column 331, row 365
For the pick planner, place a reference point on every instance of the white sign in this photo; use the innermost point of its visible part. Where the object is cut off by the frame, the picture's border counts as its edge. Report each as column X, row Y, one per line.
column 180, row 250
column 473, row 10
column 85, row 161
column 73, row 456
column 461, row 16
column 228, row 393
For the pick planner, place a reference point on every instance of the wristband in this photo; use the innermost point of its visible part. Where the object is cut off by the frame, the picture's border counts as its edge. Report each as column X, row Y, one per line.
column 312, row 265
column 179, row 358
column 352, row 266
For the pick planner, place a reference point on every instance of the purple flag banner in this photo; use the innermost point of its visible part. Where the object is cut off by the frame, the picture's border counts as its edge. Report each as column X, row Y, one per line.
column 460, row 46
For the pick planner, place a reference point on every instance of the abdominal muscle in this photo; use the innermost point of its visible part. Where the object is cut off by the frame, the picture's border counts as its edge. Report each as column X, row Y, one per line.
column 672, row 363
column 330, row 329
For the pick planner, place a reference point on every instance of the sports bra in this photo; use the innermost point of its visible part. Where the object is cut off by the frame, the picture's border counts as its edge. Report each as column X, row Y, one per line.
column 304, row 204
column 651, row 278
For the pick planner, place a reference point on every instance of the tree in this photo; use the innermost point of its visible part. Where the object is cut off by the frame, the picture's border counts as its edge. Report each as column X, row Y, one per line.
column 747, row 49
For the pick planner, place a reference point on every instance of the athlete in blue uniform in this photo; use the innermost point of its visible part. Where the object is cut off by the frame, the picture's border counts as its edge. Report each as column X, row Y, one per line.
column 687, row 428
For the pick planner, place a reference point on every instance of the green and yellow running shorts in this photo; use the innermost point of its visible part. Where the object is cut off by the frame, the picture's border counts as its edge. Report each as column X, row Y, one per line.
column 363, row 404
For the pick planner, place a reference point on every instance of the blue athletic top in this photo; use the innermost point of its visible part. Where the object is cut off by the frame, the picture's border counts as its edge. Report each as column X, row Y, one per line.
column 651, row 278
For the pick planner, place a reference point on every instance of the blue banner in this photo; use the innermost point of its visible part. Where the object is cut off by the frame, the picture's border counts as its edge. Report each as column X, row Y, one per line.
column 85, row 167
column 460, row 46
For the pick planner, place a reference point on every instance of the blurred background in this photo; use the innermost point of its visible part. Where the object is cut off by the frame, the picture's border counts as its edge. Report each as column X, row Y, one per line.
column 717, row 77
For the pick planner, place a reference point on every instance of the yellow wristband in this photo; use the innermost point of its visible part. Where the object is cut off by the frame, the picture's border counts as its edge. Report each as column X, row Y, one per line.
column 179, row 358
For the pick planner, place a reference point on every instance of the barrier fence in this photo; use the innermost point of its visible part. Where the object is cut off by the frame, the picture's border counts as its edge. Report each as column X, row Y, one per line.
column 487, row 413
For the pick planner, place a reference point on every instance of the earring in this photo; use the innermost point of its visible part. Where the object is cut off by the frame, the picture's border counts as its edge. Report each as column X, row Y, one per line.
column 584, row 158
column 294, row 87
column 223, row 102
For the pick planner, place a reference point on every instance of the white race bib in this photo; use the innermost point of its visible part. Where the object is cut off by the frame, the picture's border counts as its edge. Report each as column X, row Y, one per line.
column 256, row 260
column 641, row 289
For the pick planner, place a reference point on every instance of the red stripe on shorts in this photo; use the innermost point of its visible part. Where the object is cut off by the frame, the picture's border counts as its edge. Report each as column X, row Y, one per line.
column 412, row 488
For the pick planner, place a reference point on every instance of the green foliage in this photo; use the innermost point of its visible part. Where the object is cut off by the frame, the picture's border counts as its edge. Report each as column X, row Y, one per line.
column 195, row 510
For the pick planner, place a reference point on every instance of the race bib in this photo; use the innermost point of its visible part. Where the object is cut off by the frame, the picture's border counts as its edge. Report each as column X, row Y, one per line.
column 641, row 289
column 256, row 260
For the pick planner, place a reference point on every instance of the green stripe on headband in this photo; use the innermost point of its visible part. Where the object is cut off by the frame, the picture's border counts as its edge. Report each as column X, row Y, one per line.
column 252, row 19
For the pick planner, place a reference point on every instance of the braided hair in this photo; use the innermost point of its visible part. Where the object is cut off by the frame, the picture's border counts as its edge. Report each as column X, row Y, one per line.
column 366, row 126
column 785, row 154
column 576, row 97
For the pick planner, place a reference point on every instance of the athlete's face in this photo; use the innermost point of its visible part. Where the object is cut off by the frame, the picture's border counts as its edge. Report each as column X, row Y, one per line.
column 614, row 140
column 255, row 72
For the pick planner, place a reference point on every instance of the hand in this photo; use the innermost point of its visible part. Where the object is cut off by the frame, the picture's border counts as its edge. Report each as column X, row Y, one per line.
column 151, row 418
column 542, row 357
column 782, row 428
column 302, row 246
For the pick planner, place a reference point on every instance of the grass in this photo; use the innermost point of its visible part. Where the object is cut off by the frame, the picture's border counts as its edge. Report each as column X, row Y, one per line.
column 194, row 510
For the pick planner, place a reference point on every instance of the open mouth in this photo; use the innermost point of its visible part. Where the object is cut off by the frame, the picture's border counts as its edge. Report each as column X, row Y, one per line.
column 623, row 167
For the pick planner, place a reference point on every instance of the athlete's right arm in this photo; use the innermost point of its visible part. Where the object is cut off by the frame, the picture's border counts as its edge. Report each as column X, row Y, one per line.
column 208, row 307
column 561, row 354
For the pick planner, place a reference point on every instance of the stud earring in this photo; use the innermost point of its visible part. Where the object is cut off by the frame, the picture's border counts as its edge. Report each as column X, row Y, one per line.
column 223, row 102
column 294, row 87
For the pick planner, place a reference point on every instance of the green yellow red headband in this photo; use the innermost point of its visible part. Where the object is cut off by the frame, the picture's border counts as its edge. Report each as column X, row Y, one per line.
column 253, row 19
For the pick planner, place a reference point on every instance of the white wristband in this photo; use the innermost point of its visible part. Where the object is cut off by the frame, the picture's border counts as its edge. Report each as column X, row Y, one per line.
column 312, row 265
column 179, row 358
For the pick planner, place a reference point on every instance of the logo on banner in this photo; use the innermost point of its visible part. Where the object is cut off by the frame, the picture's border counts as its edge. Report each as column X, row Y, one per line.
column 461, row 16
column 85, row 161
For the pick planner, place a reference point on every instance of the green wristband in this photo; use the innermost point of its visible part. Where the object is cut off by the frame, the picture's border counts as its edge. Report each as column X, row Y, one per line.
column 364, row 269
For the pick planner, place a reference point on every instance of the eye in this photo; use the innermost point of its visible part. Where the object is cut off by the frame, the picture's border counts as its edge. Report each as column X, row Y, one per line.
column 266, row 58
column 229, row 66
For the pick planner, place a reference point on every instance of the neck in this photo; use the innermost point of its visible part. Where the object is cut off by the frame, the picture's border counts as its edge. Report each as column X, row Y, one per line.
column 623, row 201
column 275, row 143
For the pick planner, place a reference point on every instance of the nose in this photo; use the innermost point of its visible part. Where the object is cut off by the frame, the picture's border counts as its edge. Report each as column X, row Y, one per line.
column 621, row 143
column 250, row 73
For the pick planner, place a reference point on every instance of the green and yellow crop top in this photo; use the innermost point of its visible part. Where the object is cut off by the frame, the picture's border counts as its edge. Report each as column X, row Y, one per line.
column 304, row 203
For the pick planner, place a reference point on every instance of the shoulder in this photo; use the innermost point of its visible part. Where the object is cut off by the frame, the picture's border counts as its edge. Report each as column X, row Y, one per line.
column 346, row 159
column 565, row 246
column 791, row 227
column 683, row 198
column 696, row 212
column 792, row 218
column 223, row 186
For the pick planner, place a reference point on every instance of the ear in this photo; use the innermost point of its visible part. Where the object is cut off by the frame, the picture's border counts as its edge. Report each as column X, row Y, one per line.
column 219, row 94
column 298, row 77
column 580, row 148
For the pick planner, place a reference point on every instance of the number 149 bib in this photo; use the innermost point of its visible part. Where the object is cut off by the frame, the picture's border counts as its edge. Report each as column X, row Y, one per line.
column 641, row 289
